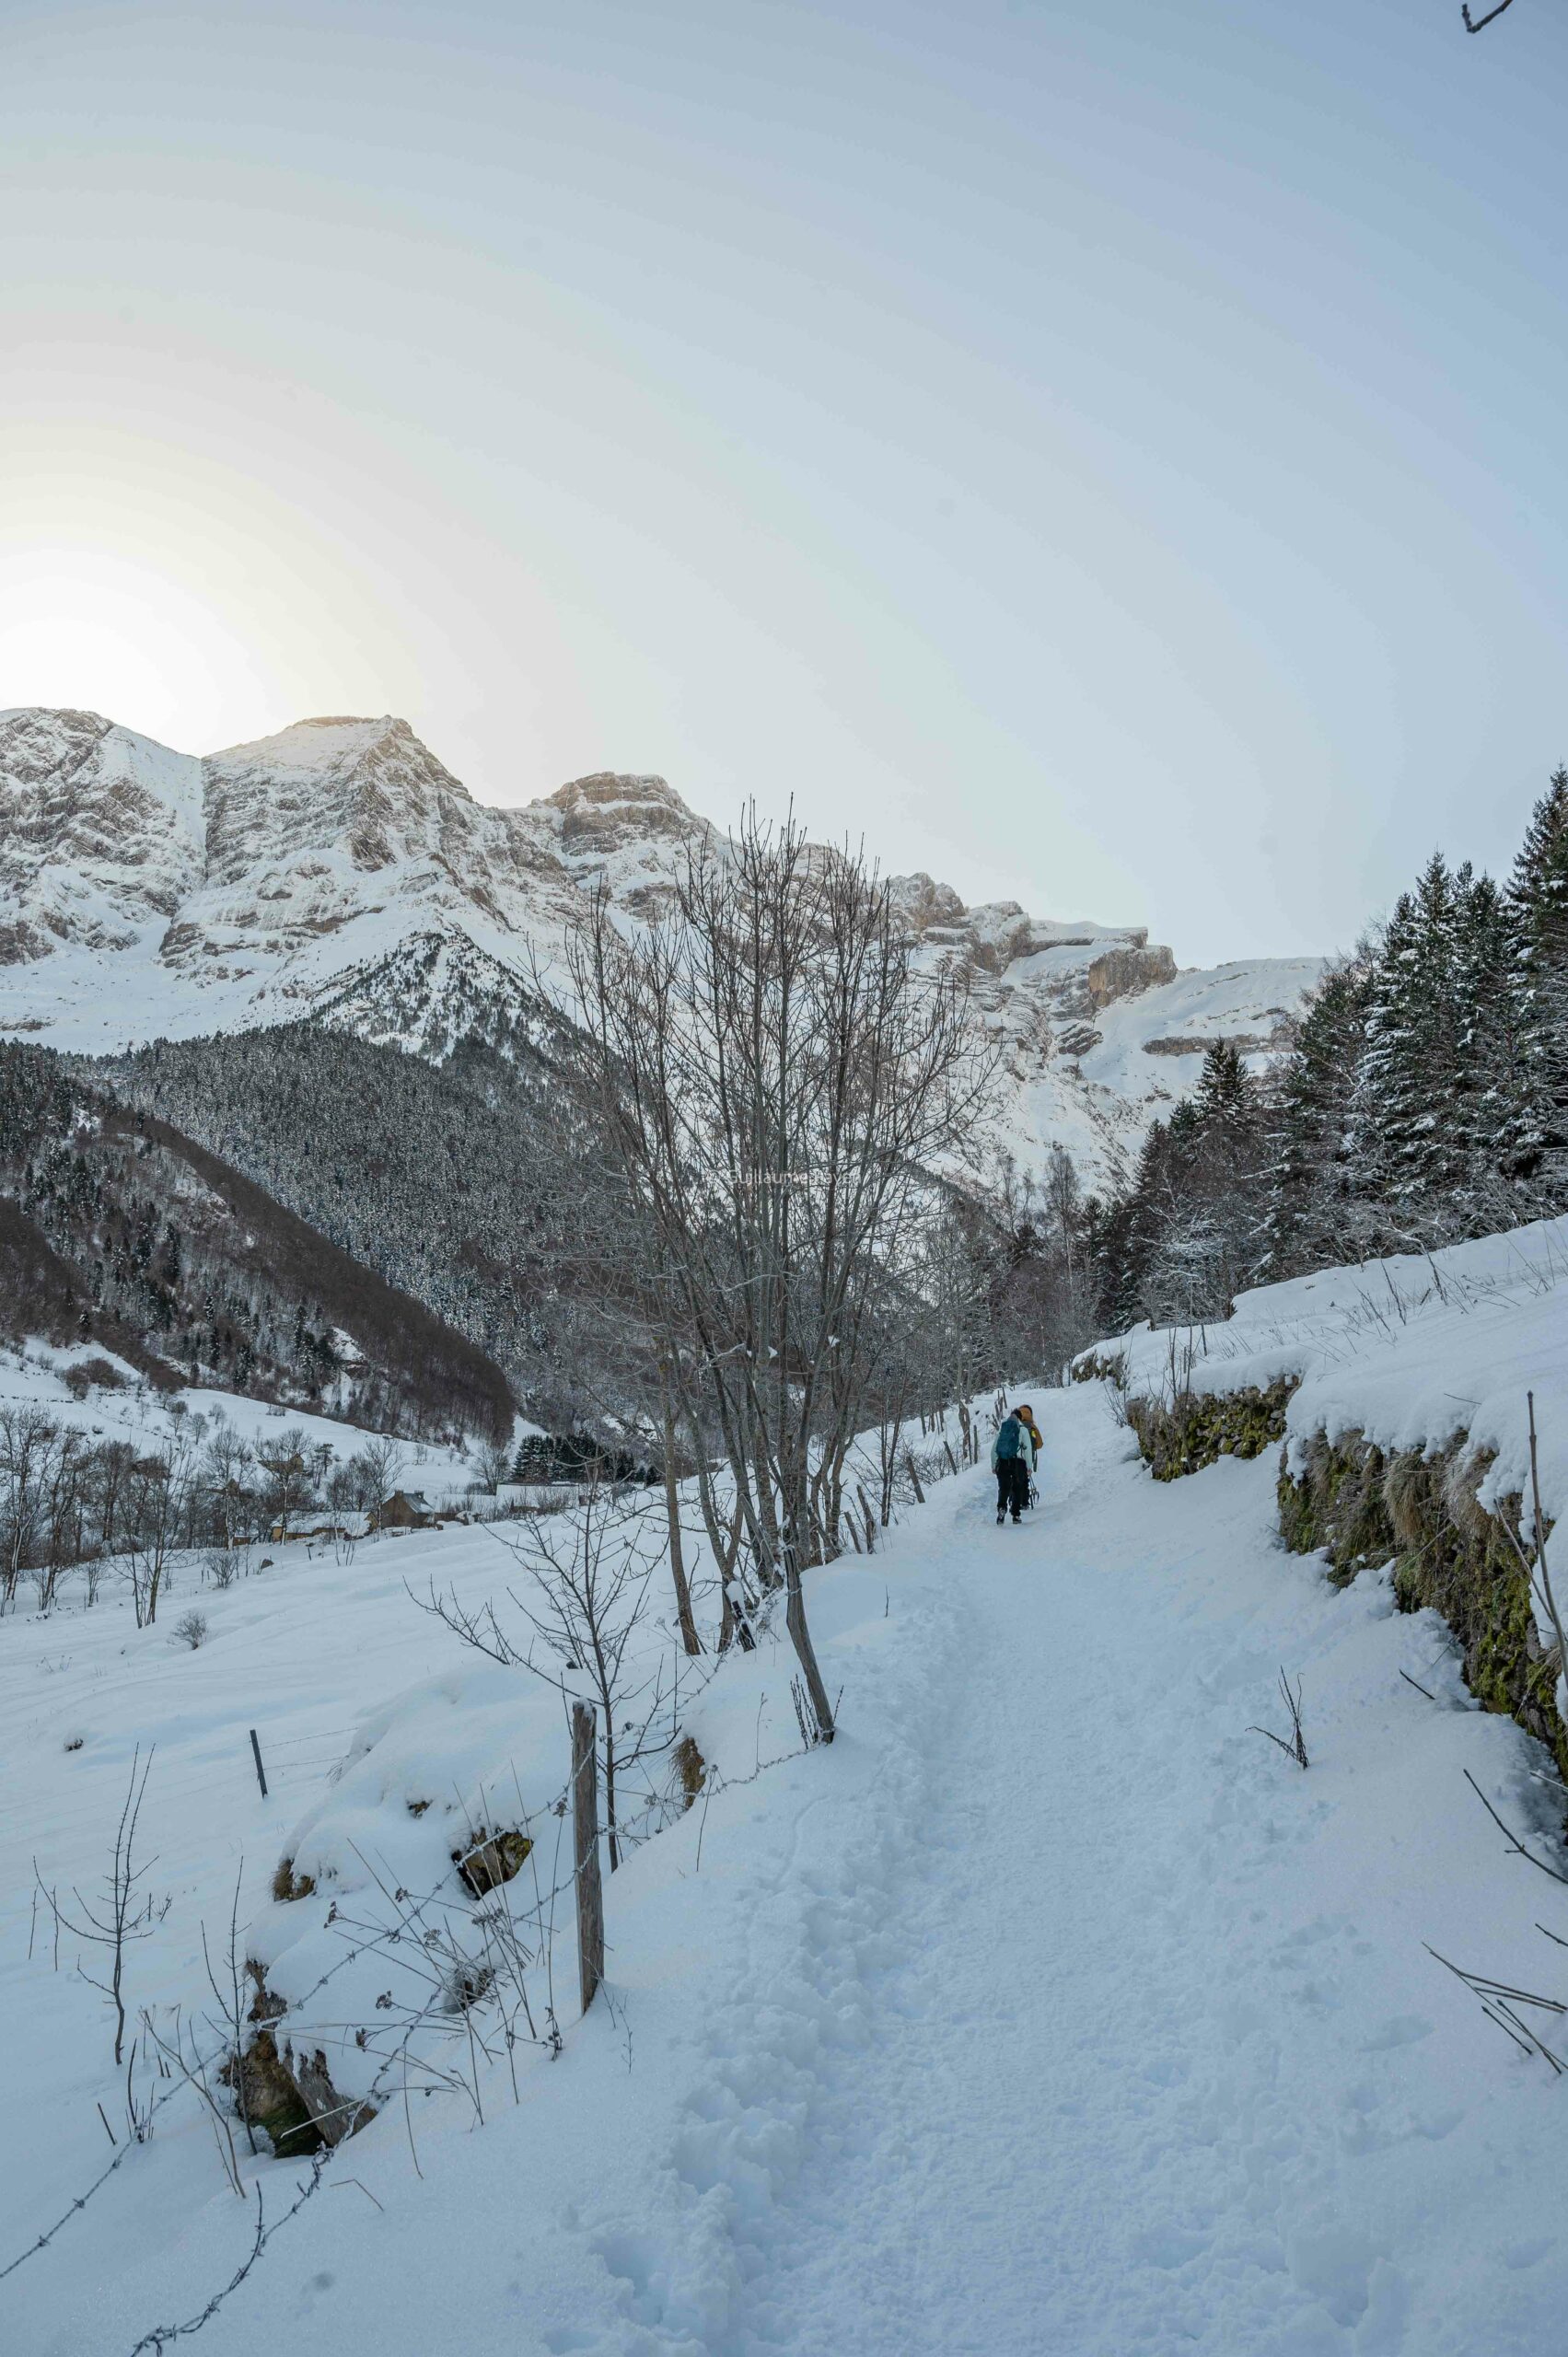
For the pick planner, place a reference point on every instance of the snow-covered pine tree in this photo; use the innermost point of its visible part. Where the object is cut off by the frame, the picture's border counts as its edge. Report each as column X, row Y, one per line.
column 1189, row 1233
column 1493, row 1114
column 1225, row 1099
column 1389, row 1028
column 1313, row 1206
column 1538, row 898
column 1177, row 1282
column 1406, row 1155
column 1233, row 1150
column 1128, row 1232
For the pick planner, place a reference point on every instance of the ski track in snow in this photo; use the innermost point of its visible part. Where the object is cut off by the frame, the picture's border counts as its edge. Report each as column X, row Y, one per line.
column 1051, row 2013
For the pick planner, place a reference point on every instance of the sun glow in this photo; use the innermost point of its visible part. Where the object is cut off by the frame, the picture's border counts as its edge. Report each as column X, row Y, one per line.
column 189, row 599
column 103, row 632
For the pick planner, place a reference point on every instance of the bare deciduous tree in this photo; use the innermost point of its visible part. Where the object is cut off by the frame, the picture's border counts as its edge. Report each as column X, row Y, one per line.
column 28, row 1441
column 689, row 1637
column 228, row 1467
column 288, row 1481
column 774, row 1075
column 379, row 1465
column 122, row 1914
column 584, row 1598
column 494, row 1462
column 159, row 1494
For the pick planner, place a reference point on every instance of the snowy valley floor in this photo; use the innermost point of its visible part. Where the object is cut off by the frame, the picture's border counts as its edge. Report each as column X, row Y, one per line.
column 1050, row 2014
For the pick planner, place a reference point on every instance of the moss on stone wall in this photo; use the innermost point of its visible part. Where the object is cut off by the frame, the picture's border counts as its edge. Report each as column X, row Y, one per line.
column 1449, row 1552
column 1337, row 1504
column 1200, row 1426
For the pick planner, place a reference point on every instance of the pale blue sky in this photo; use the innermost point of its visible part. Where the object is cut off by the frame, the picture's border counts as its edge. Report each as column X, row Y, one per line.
column 1114, row 457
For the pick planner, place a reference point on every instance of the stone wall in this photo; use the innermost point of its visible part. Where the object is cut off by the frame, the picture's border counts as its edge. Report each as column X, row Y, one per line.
column 1363, row 1505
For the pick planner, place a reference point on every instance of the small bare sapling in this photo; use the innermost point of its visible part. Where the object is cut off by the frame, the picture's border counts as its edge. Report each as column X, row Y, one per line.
column 1294, row 1744
column 122, row 1913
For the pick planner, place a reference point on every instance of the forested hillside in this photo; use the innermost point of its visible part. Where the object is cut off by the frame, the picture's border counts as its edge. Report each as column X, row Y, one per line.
column 1425, row 1101
column 459, row 1183
column 117, row 1228
column 473, row 1185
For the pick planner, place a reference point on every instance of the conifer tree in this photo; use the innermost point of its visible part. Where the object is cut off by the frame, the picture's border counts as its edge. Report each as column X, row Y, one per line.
column 1313, row 1212
column 1406, row 1156
column 1190, row 1231
column 1225, row 1100
column 1128, row 1232
column 1538, row 899
column 1493, row 1114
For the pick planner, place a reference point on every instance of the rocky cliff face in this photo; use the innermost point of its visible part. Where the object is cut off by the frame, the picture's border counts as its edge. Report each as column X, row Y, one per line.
column 101, row 833
column 337, row 870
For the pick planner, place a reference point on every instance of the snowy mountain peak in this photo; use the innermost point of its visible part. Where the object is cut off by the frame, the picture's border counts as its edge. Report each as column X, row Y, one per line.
column 335, row 750
column 612, row 802
column 628, row 832
column 369, row 787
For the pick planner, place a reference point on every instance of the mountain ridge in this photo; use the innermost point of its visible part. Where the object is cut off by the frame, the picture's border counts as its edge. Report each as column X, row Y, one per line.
column 321, row 872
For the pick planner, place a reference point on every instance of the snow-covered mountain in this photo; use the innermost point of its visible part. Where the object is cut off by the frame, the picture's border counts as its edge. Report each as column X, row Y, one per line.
column 338, row 871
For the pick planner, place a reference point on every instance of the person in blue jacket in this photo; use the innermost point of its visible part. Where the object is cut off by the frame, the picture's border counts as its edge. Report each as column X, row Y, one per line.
column 1013, row 1462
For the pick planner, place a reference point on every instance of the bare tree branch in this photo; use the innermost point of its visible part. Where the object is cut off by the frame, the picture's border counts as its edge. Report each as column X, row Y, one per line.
column 1479, row 24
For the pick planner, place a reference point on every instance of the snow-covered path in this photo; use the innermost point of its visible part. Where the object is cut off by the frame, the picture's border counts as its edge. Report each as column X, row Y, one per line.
column 1042, row 2146
column 1051, row 2013
column 1017, row 2038
column 1142, row 2072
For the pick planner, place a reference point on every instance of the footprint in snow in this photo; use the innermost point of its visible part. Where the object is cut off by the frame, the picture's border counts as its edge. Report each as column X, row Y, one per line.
column 1404, row 2029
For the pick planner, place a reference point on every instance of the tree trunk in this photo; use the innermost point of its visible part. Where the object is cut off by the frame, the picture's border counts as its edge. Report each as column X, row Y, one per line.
column 689, row 1636
column 806, row 1651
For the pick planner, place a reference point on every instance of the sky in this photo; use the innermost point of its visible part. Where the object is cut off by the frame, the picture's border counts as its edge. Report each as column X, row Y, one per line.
column 1111, row 457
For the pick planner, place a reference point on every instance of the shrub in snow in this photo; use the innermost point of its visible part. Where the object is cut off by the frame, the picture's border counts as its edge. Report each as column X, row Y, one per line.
column 269, row 2097
column 690, row 1769
column 190, row 1629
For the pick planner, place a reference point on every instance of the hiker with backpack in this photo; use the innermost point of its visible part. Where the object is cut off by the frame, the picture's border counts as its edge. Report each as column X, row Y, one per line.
column 1027, row 1417
column 1013, row 1462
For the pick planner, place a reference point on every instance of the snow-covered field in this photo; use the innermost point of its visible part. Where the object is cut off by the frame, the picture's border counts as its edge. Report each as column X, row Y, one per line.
column 35, row 1377
column 1050, row 2012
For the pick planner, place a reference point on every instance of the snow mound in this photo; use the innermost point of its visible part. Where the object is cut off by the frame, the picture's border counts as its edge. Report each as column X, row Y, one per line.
column 400, row 1893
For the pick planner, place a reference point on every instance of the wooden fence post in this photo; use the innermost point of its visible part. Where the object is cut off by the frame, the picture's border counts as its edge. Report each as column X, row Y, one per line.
column 585, row 1828
column 261, row 1771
